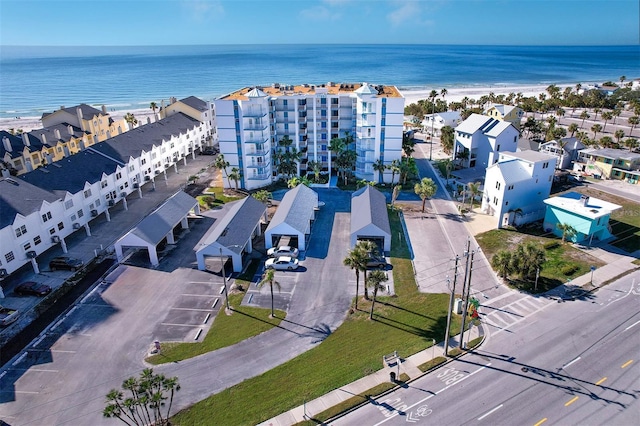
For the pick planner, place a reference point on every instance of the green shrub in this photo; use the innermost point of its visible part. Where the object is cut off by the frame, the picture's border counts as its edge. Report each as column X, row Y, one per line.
column 569, row 269
column 550, row 245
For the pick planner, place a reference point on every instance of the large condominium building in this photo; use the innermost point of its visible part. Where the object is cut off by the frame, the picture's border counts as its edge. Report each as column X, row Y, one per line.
column 253, row 122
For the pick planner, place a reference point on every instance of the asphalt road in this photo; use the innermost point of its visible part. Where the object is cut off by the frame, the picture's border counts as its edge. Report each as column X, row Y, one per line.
column 572, row 363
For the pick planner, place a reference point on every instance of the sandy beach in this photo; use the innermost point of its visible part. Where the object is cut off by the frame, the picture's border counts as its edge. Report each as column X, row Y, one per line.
column 28, row 124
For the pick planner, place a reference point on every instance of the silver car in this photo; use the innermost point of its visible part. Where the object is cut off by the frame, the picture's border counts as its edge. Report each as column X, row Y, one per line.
column 282, row 263
column 283, row 251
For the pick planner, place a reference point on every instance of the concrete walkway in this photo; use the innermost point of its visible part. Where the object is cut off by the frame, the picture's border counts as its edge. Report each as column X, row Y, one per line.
column 408, row 366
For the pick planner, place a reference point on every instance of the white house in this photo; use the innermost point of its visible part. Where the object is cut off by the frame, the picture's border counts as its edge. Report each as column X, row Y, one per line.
column 369, row 218
column 252, row 122
column 566, row 150
column 433, row 123
column 480, row 139
column 516, row 186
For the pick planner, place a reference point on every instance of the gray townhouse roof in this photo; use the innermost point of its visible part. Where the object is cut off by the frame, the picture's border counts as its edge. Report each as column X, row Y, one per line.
column 527, row 144
column 369, row 207
column 131, row 144
column 295, row 208
column 71, row 173
column 37, row 140
column 195, row 103
column 496, row 129
column 88, row 112
column 613, row 154
column 236, row 227
column 476, row 122
column 20, row 197
column 570, row 144
column 17, row 145
column 512, row 170
column 162, row 220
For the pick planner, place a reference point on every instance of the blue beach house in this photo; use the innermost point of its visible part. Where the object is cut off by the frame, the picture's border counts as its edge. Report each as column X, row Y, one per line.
column 589, row 216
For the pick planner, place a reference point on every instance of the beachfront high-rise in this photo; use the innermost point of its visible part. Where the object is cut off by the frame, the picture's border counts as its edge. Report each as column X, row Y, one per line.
column 255, row 121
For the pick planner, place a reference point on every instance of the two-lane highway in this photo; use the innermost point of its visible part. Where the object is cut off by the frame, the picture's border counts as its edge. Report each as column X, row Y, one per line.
column 572, row 363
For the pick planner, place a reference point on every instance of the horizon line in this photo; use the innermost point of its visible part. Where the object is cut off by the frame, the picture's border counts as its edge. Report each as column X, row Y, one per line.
column 322, row 44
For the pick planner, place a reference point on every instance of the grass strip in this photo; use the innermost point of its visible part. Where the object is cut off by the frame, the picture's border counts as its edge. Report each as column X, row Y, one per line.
column 432, row 363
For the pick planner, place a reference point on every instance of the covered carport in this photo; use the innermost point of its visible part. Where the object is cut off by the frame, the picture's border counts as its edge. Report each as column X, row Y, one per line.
column 369, row 218
column 293, row 217
column 231, row 236
column 159, row 225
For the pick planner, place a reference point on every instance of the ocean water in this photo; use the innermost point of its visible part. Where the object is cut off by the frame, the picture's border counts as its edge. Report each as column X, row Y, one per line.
column 34, row 80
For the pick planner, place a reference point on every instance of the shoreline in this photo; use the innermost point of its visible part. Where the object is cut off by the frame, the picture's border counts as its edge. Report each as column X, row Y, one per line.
column 454, row 94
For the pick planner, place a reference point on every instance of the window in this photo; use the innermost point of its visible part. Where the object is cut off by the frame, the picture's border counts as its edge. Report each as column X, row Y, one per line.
column 97, row 203
column 153, row 155
column 103, row 184
column 515, row 139
column 52, row 231
column 60, row 226
column 27, row 246
column 73, row 218
column 545, row 165
column 46, row 216
column 497, row 185
column 87, row 193
column 37, row 240
column 80, row 213
column 509, row 188
column 143, row 161
column 131, row 167
column 498, row 147
column 68, row 204
column 119, row 175
column 21, row 230
column 9, row 256
column 495, row 200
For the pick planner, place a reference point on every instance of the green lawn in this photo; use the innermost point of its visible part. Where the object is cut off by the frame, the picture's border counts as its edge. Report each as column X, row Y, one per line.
column 226, row 330
column 404, row 323
column 560, row 259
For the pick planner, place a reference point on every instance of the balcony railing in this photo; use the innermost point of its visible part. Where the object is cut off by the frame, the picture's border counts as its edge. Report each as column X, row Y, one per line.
column 258, row 153
column 256, row 165
column 254, row 112
column 259, row 176
column 258, row 125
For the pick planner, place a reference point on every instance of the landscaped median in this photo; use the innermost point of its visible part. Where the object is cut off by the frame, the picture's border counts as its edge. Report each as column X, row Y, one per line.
column 405, row 323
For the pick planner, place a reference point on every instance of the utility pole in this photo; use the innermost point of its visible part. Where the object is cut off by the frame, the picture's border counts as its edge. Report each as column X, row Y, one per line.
column 466, row 301
column 451, row 297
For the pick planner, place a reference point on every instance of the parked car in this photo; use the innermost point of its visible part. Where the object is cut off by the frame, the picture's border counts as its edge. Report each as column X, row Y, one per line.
column 377, row 263
column 209, row 150
column 283, row 251
column 65, row 262
column 282, row 263
column 8, row 315
column 32, row 288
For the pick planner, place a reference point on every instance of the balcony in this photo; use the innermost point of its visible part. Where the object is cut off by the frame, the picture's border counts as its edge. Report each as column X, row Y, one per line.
column 258, row 153
column 256, row 137
column 259, row 176
column 255, row 124
column 257, row 165
column 254, row 112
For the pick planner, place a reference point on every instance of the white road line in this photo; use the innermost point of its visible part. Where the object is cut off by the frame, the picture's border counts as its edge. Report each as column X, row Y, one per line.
column 190, row 309
column 571, row 362
column 17, row 391
column 38, row 370
column 19, row 360
column 40, row 339
column 432, row 395
column 4, row 373
column 198, row 295
column 179, row 325
column 486, row 414
column 634, row 324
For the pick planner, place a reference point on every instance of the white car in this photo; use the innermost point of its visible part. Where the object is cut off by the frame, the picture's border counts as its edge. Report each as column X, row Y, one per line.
column 283, row 251
column 283, row 263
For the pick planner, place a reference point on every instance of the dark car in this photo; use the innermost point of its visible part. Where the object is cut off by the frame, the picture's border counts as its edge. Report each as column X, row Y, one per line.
column 377, row 263
column 31, row 288
column 64, row 262
column 209, row 150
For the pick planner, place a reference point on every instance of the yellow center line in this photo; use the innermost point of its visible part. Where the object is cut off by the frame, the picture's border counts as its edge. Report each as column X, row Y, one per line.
column 540, row 422
column 574, row 399
column 626, row 363
column 601, row 381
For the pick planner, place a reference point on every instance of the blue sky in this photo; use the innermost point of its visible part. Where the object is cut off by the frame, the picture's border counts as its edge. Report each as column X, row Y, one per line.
column 178, row 22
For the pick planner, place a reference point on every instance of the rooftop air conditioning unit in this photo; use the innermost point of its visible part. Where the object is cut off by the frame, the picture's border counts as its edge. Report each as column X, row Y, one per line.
column 112, row 203
column 55, row 239
column 31, row 254
column 94, row 213
column 75, row 226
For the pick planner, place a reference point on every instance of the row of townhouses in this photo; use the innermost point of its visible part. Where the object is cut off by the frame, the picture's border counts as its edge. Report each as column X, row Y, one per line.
column 41, row 208
column 252, row 121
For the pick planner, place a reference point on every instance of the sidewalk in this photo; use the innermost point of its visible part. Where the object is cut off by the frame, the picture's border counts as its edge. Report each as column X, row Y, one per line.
column 409, row 366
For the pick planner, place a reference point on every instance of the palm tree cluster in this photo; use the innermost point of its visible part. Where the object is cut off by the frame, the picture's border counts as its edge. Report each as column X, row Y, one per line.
column 145, row 400
column 525, row 261
column 286, row 157
column 357, row 260
column 344, row 156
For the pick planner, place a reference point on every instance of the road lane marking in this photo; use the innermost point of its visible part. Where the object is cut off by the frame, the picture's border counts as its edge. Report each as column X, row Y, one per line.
column 635, row 323
column 568, row 403
column 486, row 414
column 599, row 382
column 626, row 364
column 405, row 409
column 540, row 422
column 571, row 362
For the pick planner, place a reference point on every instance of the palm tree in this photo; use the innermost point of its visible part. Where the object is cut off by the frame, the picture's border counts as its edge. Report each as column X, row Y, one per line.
column 235, row 176
column 379, row 167
column 501, row 262
column 443, row 93
column 316, row 167
column 474, row 190
column 573, row 128
column 597, row 111
column 617, row 111
column 295, row 181
column 619, row 134
column 596, row 128
column 633, row 121
column 622, row 79
column 527, row 259
column 395, row 169
column 154, row 107
column 131, row 120
column 606, row 116
column 376, row 278
column 447, row 139
column 221, row 164
column 357, row 260
column 371, row 250
column 631, row 143
column 567, row 230
column 584, row 115
column 269, row 276
column 425, row 189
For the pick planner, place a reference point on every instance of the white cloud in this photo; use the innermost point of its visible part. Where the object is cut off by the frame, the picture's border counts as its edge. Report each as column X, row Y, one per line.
column 320, row 13
column 409, row 12
column 201, row 10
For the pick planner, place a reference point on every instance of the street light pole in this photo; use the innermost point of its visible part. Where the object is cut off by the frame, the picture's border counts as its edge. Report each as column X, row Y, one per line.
column 453, row 292
column 433, row 111
column 224, row 281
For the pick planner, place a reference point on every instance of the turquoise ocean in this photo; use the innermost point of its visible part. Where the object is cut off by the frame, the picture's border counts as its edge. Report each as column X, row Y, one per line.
column 34, row 80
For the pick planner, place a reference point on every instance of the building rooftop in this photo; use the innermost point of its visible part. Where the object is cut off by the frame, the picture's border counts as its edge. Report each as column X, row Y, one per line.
column 589, row 207
column 294, row 209
column 20, row 197
column 195, row 103
column 475, row 122
column 88, row 112
column 369, row 206
column 498, row 128
column 276, row 90
column 502, row 109
column 161, row 221
column 512, row 170
column 613, row 154
column 529, row 156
